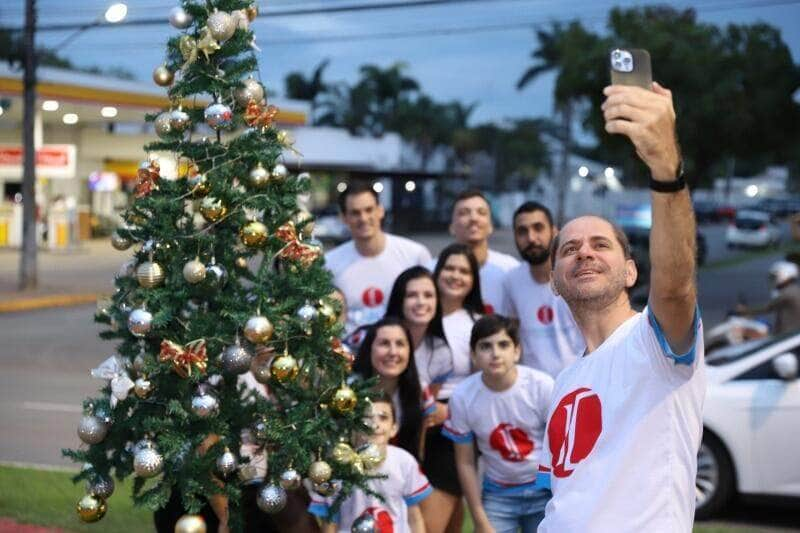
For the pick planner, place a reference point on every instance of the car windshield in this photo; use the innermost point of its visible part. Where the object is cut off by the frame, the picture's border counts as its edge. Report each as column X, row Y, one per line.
column 734, row 353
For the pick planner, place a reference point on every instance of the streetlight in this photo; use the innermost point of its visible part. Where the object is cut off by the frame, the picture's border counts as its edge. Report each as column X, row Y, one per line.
column 583, row 171
column 114, row 14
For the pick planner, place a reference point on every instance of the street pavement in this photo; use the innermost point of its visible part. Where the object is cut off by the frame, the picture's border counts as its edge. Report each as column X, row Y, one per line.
column 46, row 354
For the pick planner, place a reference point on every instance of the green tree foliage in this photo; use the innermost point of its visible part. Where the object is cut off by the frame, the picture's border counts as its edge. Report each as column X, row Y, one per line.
column 309, row 89
column 279, row 277
column 732, row 86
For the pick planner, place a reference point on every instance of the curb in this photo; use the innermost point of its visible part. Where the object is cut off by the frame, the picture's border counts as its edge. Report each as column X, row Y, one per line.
column 48, row 301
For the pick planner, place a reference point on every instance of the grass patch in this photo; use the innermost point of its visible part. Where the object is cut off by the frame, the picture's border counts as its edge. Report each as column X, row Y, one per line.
column 48, row 499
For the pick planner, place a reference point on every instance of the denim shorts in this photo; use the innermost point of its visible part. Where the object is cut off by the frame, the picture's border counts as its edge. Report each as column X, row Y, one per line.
column 518, row 511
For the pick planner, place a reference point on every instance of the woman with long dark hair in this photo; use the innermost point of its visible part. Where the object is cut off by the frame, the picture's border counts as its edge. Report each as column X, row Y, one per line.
column 386, row 353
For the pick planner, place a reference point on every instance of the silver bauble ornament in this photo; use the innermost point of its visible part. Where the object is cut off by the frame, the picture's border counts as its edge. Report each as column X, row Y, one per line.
column 92, row 429
column 149, row 274
column 271, row 498
column 279, row 172
column 127, row 268
column 236, row 359
column 163, row 124
column 194, row 271
column 198, row 184
column 139, row 363
column 307, row 313
column 261, row 371
column 163, row 76
column 260, row 430
column 365, row 523
column 221, row 25
column 250, row 91
column 142, row 388
column 179, row 18
column 227, row 463
column 303, row 176
column 147, row 462
column 191, row 523
column 179, row 120
column 216, row 276
column 100, row 486
column 204, row 403
column 291, row 479
column 258, row 329
column 218, row 116
column 259, row 177
column 118, row 242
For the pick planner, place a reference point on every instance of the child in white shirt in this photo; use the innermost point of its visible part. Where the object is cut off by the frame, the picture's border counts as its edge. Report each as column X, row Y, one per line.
column 502, row 409
column 402, row 488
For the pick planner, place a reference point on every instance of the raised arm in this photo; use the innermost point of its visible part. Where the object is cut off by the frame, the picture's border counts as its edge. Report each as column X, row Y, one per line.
column 647, row 118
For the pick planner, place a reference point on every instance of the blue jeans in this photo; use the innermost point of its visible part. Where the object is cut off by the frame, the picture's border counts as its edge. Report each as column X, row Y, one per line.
column 521, row 511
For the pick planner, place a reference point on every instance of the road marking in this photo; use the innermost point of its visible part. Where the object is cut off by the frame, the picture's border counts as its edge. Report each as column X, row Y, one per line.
column 52, row 407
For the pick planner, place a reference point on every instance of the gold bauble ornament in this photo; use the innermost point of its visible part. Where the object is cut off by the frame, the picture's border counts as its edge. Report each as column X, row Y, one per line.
column 212, row 209
column 371, row 455
column 190, row 523
column 194, row 271
column 258, row 329
column 320, row 472
column 284, row 368
column 328, row 312
column 199, row 185
column 254, row 234
column 279, row 172
column 259, row 176
column 240, row 262
column 185, row 167
column 285, row 138
column 344, row 399
column 305, row 222
column 343, row 453
column 252, row 12
column 250, row 91
column 118, row 242
column 163, row 76
column 142, row 388
column 149, row 274
column 91, row 508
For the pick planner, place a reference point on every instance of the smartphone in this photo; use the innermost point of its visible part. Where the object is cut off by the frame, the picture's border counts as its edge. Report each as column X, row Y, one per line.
column 631, row 66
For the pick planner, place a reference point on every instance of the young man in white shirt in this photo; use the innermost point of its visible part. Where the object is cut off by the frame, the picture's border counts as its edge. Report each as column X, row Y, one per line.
column 365, row 267
column 503, row 410
column 550, row 338
column 471, row 224
column 625, row 421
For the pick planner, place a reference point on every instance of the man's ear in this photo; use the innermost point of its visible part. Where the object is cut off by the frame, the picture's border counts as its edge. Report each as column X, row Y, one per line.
column 451, row 229
column 395, row 430
column 631, row 273
column 517, row 353
column 381, row 212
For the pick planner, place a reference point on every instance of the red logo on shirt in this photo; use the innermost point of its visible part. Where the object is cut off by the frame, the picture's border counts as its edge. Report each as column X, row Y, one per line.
column 512, row 442
column 372, row 297
column 488, row 309
column 383, row 520
column 545, row 314
column 573, row 430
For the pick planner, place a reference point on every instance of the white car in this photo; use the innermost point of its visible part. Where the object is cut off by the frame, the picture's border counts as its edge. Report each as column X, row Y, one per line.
column 751, row 419
column 752, row 229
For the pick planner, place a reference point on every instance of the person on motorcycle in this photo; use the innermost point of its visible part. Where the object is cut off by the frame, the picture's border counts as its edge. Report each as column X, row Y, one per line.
column 785, row 302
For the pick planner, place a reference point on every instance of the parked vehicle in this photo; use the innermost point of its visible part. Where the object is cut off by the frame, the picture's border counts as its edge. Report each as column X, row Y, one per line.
column 753, row 229
column 751, row 424
column 713, row 212
column 779, row 207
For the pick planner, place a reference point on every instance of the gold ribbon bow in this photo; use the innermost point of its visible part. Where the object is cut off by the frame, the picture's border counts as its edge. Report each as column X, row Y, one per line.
column 188, row 48
column 184, row 359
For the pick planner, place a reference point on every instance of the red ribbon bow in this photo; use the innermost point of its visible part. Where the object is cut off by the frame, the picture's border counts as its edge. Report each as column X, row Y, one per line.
column 258, row 116
column 148, row 176
column 294, row 249
column 185, row 358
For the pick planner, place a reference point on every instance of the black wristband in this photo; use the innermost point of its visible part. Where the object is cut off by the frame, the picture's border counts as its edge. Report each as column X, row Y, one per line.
column 669, row 186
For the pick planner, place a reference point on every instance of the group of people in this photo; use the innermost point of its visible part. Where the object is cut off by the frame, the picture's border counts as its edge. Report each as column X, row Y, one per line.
column 586, row 415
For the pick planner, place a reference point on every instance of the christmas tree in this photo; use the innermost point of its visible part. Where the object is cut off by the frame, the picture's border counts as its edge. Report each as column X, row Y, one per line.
column 224, row 280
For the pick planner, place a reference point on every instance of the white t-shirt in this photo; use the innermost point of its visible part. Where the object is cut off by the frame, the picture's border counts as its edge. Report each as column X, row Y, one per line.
column 434, row 361
column 367, row 281
column 551, row 339
column 623, row 431
column 491, row 275
column 507, row 425
column 405, row 485
column 457, row 330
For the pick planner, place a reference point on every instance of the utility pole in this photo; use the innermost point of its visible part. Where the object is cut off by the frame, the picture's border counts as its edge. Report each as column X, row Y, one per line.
column 28, row 270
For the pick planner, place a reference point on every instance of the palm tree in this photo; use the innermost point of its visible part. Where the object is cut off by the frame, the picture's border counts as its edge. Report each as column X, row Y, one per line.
column 570, row 50
column 308, row 89
column 388, row 87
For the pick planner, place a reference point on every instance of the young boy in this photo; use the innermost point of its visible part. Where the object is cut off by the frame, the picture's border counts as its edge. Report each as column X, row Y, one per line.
column 502, row 408
column 402, row 489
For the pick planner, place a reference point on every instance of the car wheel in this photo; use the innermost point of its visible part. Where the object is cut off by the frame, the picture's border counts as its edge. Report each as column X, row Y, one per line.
column 714, row 484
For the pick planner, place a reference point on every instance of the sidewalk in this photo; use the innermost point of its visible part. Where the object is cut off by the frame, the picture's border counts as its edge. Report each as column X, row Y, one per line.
column 70, row 277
